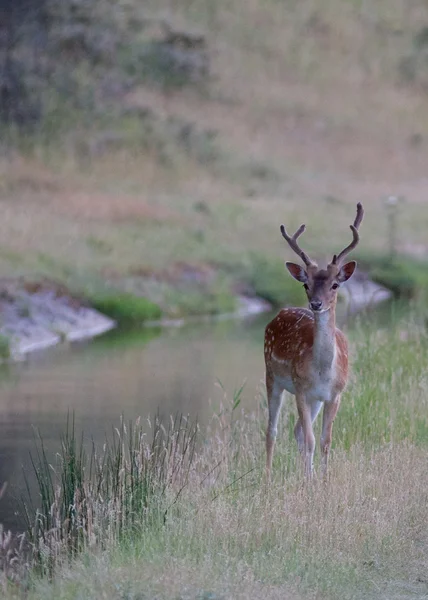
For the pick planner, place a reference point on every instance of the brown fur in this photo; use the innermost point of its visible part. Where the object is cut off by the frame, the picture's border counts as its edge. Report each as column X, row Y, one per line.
column 306, row 354
column 295, row 345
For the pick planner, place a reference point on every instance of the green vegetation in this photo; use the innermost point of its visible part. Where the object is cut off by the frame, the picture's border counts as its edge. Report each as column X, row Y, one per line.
column 406, row 276
column 4, row 347
column 174, row 512
column 270, row 280
column 125, row 308
column 138, row 138
column 200, row 302
column 87, row 500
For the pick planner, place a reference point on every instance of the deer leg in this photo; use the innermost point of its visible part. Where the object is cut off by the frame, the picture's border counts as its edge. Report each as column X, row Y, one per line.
column 298, row 429
column 329, row 414
column 300, row 438
column 274, row 397
column 305, row 418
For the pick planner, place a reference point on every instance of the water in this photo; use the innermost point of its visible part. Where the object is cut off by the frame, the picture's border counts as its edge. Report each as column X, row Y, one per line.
column 134, row 374
column 137, row 373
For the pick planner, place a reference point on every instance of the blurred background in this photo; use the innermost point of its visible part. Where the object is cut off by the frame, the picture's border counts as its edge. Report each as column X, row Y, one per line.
column 149, row 152
column 159, row 145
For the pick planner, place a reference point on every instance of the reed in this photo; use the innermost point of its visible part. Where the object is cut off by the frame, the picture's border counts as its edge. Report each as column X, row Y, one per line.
column 167, row 512
column 93, row 497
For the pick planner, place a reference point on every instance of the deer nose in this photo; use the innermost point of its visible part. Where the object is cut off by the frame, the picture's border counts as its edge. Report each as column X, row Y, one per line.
column 316, row 304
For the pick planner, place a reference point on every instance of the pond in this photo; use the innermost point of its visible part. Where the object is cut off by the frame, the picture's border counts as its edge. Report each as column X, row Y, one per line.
column 137, row 373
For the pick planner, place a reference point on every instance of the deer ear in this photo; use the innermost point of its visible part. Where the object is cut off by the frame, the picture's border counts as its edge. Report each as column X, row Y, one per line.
column 297, row 272
column 347, row 271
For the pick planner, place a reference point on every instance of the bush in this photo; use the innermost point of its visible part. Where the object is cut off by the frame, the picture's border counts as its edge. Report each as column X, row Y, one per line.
column 196, row 301
column 126, row 308
column 406, row 277
column 4, row 348
column 270, row 280
column 59, row 52
column 63, row 56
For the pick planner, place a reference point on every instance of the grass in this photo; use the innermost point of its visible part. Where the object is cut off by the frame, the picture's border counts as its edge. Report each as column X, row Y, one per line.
column 89, row 500
column 125, row 308
column 4, row 348
column 189, row 516
column 405, row 276
column 269, row 280
column 295, row 125
column 201, row 302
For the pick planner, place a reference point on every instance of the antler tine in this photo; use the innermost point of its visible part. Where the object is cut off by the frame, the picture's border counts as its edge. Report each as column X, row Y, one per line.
column 356, row 236
column 360, row 215
column 292, row 241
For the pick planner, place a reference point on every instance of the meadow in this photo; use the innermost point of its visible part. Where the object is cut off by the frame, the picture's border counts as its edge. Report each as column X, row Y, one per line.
column 176, row 195
column 186, row 513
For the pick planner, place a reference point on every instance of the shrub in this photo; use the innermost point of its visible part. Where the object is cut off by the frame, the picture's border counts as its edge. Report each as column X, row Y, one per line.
column 126, row 308
column 4, row 347
column 270, row 280
column 406, row 277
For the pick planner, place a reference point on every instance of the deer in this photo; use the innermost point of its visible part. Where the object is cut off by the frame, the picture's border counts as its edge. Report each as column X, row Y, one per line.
column 306, row 354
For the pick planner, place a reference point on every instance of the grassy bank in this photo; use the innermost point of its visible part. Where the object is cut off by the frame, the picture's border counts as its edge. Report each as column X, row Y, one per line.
column 405, row 276
column 188, row 515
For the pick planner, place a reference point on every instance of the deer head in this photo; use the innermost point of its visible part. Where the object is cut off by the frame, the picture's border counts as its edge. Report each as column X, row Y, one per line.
column 321, row 285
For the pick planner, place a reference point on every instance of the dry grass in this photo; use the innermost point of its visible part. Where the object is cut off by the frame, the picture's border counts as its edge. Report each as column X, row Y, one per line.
column 218, row 532
column 361, row 535
column 311, row 115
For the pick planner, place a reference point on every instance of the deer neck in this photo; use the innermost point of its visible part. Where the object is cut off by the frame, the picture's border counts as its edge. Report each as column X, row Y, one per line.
column 324, row 347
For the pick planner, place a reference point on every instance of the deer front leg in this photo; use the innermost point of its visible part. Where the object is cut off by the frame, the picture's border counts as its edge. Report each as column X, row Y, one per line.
column 274, row 398
column 329, row 414
column 305, row 418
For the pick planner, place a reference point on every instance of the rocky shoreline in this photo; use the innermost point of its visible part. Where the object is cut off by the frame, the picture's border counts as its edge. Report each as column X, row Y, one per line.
column 42, row 314
column 39, row 315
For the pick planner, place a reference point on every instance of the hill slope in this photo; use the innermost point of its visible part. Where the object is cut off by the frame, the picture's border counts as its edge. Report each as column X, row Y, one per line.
column 306, row 111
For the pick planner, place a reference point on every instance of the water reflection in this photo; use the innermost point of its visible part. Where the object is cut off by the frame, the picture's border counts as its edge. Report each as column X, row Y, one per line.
column 134, row 374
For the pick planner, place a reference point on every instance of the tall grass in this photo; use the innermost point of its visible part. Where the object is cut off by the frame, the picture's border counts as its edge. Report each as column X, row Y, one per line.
column 90, row 498
column 182, row 517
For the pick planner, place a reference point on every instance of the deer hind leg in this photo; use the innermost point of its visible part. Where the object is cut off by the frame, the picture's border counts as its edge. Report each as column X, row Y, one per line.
column 298, row 428
column 329, row 414
column 274, row 397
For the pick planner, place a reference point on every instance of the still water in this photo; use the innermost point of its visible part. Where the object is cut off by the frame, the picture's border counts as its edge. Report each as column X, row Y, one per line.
column 132, row 373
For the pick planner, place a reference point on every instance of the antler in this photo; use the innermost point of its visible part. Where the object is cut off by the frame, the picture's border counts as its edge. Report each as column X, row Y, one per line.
column 292, row 241
column 354, row 228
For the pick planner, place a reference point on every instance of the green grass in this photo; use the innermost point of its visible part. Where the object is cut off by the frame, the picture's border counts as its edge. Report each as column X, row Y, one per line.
column 190, row 517
column 271, row 281
column 125, row 308
column 200, row 302
column 4, row 347
column 95, row 496
column 406, row 276
column 161, row 176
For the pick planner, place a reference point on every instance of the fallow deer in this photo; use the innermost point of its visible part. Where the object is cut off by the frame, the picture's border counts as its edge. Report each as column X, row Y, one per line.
column 306, row 354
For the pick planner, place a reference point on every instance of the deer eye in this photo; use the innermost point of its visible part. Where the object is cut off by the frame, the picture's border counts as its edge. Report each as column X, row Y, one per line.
column 305, row 285
column 334, row 286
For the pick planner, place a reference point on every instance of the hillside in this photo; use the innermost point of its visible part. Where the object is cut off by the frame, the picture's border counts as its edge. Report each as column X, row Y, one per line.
column 176, row 189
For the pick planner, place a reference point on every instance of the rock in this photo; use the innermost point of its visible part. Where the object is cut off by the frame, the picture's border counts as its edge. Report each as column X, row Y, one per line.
column 38, row 315
column 361, row 293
